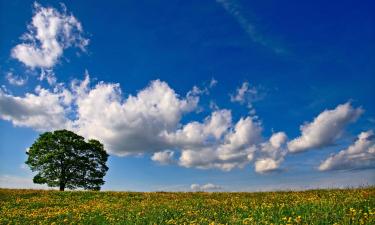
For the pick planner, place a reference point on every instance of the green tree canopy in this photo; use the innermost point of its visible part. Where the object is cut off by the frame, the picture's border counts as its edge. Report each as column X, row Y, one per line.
column 64, row 159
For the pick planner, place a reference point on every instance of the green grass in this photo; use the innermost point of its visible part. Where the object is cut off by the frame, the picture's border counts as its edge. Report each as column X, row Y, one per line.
column 349, row 206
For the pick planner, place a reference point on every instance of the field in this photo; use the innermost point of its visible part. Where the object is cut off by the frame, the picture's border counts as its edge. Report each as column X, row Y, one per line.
column 349, row 206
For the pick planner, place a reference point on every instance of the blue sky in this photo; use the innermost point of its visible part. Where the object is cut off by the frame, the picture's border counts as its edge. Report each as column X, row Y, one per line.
column 240, row 95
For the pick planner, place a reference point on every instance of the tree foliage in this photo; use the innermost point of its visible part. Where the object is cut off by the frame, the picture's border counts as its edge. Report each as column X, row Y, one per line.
column 64, row 159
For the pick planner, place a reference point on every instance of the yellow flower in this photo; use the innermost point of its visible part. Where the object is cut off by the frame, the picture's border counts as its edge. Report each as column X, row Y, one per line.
column 298, row 219
column 247, row 220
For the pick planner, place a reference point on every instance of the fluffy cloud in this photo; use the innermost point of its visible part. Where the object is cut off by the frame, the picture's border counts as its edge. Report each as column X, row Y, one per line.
column 134, row 125
column 240, row 141
column 195, row 134
column 148, row 122
column 16, row 80
column 271, row 153
column 205, row 187
column 235, row 149
column 359, row 155
column 163, row 157
column 41, row 111
column 326, row 128
column 137, row 124
column 49, row 33
column 266, row 165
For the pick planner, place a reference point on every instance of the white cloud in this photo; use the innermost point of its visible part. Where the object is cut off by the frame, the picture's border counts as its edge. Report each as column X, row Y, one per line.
column 49, row 33
column 247, row 95
column 163, row 157
column 359, row 155
column 204, row 89
column 195, row 134
column 326, row 128
column 41, row 111
column 271, row 153
column 205, row 158
column 197, row 91
column 278, row 139
column 49, row 76
column 134, row 125
column 213, row 83
column 149, row 122
column 16, row 80
column 266, row 165
column 235, row 149
column 205, row 187
column 241, row 92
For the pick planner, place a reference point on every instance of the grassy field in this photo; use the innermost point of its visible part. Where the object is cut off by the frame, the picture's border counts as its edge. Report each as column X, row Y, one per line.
column 350, row 206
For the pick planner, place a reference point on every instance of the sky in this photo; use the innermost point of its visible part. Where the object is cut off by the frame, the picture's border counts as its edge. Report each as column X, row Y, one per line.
column 224, row 95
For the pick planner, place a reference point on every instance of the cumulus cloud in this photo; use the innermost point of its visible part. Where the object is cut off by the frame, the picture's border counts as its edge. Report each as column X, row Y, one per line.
column 49, row 33
column 271, row 153
column 266, row 165
column 205, row 187
column 326, row 128
column 42, row 111
column 16, row 80
column 134, row 125
column 196, row 134
column 357, row 156
column 163, row 157
column 235, row 149
column 148, row 122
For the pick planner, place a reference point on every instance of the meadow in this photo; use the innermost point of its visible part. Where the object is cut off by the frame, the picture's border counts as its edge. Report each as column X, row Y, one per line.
column 339, row 206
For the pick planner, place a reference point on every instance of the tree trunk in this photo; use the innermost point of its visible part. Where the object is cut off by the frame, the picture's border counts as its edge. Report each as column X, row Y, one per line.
column 62, row 175
column 62, row 186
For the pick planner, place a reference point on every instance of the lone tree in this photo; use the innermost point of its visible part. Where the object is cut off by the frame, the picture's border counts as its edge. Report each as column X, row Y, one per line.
column 64, row 159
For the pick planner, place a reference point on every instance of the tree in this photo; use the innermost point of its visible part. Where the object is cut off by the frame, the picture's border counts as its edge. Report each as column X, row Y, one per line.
column 64, row 159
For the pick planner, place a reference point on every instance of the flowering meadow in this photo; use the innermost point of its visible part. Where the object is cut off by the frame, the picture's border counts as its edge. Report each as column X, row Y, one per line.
column 341, row 206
